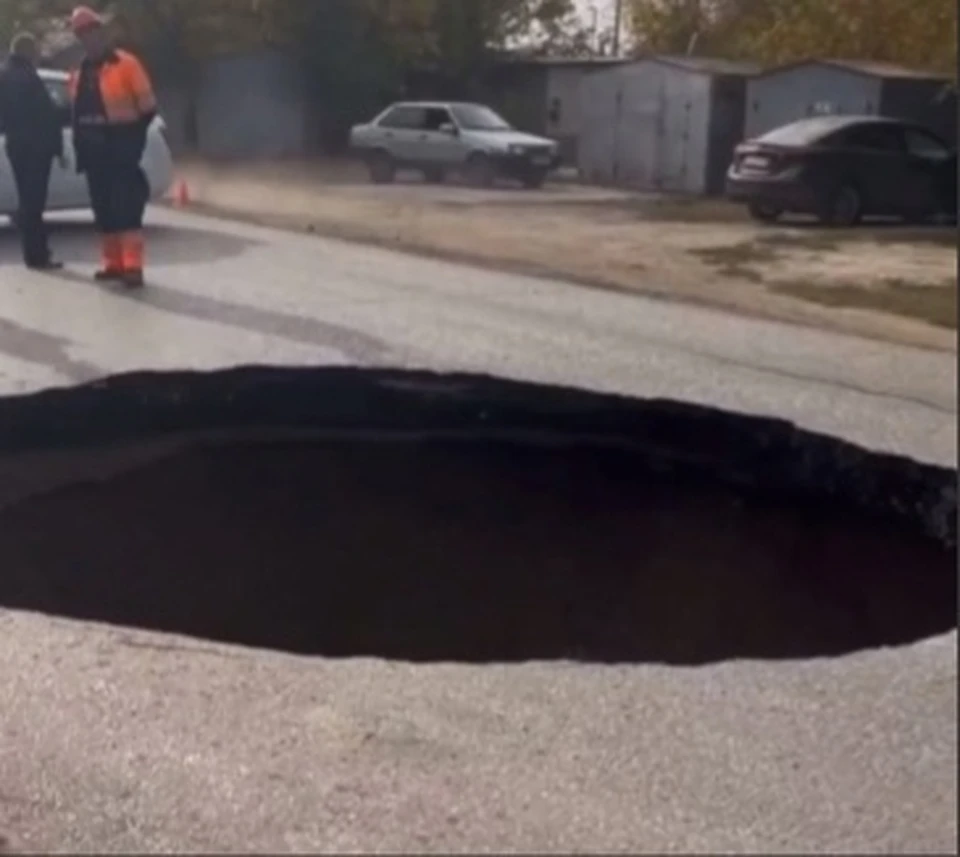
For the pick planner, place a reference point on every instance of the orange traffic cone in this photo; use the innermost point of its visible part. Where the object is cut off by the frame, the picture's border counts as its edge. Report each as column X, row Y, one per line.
column 181, row 194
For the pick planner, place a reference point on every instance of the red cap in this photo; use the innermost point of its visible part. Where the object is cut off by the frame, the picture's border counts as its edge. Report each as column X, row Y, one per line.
column 83, row 18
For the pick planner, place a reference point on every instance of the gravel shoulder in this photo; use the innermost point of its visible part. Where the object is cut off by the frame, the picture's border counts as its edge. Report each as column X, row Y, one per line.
column 884, row 282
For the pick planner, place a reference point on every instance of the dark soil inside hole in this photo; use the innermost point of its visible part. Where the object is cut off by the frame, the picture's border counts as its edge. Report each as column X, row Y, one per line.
column 469, row 551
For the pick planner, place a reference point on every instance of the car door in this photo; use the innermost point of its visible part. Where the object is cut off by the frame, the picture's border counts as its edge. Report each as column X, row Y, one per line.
column 929, row 171
column 68, row 189
column 8, row 188
column 441, row 147
column 879, row 163
column 399, row 132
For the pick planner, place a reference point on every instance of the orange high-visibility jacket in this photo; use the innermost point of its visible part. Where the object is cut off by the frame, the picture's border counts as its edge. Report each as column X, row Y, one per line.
column 125, row 89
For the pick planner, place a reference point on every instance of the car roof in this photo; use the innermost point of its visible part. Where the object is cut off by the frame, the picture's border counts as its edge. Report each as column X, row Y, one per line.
column 436, row 104
column 811, row 129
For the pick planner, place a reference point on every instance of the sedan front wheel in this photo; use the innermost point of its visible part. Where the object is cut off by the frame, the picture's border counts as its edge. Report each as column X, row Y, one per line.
column 481, row 171
column 534, row 179
column 764, row 213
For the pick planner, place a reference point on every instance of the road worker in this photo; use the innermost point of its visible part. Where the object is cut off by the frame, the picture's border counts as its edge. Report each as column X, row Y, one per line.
column 113, row 107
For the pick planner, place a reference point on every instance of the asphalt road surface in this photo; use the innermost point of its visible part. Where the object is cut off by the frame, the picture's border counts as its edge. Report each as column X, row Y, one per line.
column 121, row 741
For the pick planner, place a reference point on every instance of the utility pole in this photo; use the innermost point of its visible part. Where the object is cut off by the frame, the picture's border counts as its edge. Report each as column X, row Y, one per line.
column 617, row 26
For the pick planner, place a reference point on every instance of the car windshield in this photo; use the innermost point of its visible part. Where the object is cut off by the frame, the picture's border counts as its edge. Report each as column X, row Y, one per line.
column 473, row 117
column 59, row 90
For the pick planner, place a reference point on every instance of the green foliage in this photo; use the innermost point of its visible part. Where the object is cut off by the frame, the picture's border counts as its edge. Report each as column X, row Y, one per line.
column 27, row 14
column 912, row 33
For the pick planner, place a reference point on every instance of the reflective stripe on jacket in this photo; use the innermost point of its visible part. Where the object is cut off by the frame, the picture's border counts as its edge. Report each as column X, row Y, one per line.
column 125, row 90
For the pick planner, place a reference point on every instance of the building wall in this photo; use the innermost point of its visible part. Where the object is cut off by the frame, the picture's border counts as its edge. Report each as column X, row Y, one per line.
column 175, row 109
column 728, row 112
column 564, row 120
column 251, row 106
column 794, row 93
column 646, row 126
column 542, row 99
column 520, row 95
column 927, row 102
column 600, row 101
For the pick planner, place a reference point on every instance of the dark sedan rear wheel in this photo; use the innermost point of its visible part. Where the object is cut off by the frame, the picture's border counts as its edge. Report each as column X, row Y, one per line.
column 842, row 207
column 764, row 213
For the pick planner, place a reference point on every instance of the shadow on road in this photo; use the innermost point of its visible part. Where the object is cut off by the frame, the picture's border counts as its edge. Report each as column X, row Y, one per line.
column 456, row 519
column 75, row 241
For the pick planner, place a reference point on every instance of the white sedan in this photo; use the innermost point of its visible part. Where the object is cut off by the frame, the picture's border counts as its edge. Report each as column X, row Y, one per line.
column 68, row 189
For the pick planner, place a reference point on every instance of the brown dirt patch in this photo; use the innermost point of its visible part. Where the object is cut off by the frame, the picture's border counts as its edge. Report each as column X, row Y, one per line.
column 705, row 252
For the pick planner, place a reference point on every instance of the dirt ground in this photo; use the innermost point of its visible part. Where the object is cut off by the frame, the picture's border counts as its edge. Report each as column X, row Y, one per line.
column 883, row 281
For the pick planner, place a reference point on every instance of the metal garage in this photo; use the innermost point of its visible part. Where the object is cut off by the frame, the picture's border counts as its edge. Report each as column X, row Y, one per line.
column 663, row 123
column 791, row 92
column 542, row 96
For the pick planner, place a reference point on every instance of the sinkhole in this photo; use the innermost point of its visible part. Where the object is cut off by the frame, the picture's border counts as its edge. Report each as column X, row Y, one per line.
column 420, row 517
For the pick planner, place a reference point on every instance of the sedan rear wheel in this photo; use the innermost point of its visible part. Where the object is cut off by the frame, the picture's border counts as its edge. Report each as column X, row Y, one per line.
column 383, row 169
column 844, row 207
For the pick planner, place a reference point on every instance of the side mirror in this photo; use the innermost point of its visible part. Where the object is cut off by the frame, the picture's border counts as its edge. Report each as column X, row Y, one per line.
column 450, row 128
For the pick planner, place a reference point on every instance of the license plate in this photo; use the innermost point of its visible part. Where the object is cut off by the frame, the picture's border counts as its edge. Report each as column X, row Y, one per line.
column 541, row 160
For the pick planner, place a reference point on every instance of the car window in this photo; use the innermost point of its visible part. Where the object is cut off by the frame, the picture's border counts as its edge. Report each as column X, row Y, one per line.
column 473, row 117
column 875, row 138
column 924, row 145
column 60, row 93
column 405, row 117
column 436, row 117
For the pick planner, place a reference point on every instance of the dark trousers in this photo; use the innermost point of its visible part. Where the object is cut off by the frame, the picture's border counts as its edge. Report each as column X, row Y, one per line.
column 31, row 172
column 119, row 192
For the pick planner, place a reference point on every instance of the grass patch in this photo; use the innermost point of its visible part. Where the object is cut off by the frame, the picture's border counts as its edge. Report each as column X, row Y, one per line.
column 934, row 303
column 931, row 236
column 645, row 207
column 742, row 258
column 681, row 209
column 811, row 241
column 740, row 255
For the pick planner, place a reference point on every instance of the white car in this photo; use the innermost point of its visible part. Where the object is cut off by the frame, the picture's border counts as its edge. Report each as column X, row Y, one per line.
column 438, row 138
column 68, row 189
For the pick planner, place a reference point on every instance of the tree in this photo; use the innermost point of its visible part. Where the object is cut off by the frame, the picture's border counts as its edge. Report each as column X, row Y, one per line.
column 355, row 54
column 777, row 31
column 27, row 14
column 360, row 54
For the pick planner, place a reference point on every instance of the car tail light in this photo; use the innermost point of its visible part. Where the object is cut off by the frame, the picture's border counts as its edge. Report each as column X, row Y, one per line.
column 784, row 161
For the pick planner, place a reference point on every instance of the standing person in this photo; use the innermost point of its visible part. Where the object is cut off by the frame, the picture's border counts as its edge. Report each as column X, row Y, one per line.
column 113, row 107
column 34, row 139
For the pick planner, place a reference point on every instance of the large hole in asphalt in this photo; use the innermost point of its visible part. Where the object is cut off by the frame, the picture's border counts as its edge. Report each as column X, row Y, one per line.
column 467, row 529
